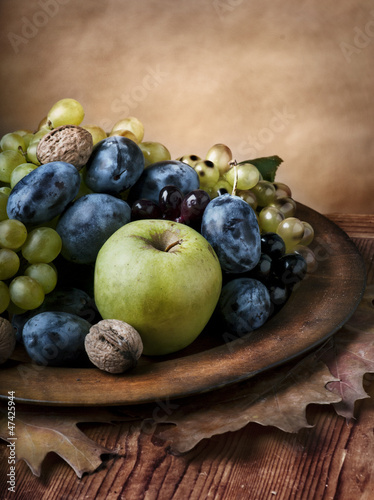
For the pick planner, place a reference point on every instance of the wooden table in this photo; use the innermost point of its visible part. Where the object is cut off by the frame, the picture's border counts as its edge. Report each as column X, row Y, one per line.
column 331, row 460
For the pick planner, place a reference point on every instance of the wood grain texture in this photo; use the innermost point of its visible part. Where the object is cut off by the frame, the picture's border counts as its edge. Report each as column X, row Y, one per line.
column 332, row 460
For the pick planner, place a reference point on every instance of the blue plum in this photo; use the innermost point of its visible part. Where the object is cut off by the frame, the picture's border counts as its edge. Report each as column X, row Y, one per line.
column 44, row 193
column 87, row 224
column 66, row 299
column 230, row 225
column 244, row 305
column 115, row 164
column 161, row 174
column 56, row 339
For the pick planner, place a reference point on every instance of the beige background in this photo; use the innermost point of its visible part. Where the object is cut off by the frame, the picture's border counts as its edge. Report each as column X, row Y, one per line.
column 292, row 78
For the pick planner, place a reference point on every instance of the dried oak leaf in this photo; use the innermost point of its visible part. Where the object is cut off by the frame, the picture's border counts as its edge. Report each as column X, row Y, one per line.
column 43, row 430
column 350, row 355
column 278, row 398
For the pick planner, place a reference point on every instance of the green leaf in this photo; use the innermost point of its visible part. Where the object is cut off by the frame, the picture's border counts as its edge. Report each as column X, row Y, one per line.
column 267, row 166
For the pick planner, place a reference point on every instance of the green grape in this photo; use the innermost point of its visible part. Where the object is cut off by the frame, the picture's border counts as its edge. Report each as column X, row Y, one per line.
column 6, row 190
column 38, row 135
column 308, row 234
column 9, row 160
column 154, row 152
column 65, row 112
column 286, row 205
column 33, row 146
column 26, row 293
column 282, row 190
column 28, row 138
column 291, row 230
column 221, row 184
column 44, row 274
column 43, row 244
column 248, row 197
column 43, row 123
column 98, row 134
column 9, row 263
column 4, row 297
column 3, row 203
column 133, row 125
column 191, row 160
column 13, row 142
column 309, row 257
column 20, row 172
column 13, row 234
column 22, row 132
column 264, row 192
column 31, row 153
column 269, row 219
column 208, row 173
column 247, row 176
column 220, row 155
column 124, row 133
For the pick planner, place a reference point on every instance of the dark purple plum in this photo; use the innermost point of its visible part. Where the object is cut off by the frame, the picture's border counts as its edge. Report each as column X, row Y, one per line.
column 56, row 339
column 161, row 174
column 230, row 225
column 115, row 164
column 244, row 305
column 86, row 225
column 44, row 193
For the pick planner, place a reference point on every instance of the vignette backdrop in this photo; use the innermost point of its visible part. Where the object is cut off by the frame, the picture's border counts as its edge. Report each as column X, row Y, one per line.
column 290, row 78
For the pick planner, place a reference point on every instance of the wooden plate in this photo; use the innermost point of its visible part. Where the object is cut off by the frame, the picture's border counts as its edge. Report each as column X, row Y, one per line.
column 322, row 303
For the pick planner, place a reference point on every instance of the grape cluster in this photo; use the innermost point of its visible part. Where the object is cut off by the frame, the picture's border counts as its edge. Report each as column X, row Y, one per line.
column 173, row 205
column 27, row 272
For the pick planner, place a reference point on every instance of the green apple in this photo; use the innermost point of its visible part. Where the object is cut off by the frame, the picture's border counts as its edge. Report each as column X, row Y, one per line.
column 161, row 277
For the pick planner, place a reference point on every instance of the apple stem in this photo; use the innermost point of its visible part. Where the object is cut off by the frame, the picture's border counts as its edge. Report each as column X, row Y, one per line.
column 178, row 242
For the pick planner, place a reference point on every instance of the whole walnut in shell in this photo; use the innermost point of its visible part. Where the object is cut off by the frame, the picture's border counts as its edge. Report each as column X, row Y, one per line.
column 113, row 346
column 68, row 143
column 7, row 339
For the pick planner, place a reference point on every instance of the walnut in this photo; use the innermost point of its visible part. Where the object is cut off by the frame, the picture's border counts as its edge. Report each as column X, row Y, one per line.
column 68, row 143
column 7, row 339
column 113, row 345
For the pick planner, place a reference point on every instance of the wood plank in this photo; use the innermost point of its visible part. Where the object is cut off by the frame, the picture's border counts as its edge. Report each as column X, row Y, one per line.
column 355, row 225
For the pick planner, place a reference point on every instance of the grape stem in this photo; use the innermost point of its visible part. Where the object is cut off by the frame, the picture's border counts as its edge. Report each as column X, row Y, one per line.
column 234, row 164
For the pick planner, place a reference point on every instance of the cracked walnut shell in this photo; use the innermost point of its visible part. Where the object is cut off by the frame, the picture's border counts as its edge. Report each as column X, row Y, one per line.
column 68, row 143
column 113, row 346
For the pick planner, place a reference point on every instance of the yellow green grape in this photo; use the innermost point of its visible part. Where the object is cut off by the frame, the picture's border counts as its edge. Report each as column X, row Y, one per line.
column 9, row 263
column 26, row 293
